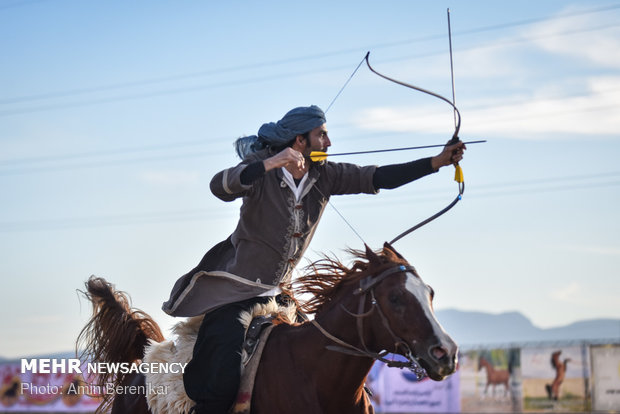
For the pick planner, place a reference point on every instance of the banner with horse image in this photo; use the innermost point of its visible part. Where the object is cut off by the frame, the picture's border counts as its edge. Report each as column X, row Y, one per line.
column 556, row 379
column 43, row 392
column 605, row 377
column 400, row 391
column 490, row 381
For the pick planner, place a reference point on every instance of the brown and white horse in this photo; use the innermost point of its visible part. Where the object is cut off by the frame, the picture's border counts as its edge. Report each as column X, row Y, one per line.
column 378, row 305
column 495, row 376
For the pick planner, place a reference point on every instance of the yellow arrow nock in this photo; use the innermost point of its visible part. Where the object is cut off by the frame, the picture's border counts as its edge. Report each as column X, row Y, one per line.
column 317, row 156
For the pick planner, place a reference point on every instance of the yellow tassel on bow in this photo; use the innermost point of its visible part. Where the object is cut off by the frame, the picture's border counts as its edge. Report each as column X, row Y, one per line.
column 458, row 174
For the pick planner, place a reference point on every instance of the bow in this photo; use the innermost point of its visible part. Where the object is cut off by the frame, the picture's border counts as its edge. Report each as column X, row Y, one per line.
column 455, row 138
column 458, row 176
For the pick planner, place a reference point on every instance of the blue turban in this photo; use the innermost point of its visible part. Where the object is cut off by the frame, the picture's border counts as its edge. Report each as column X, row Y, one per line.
column 275, row 134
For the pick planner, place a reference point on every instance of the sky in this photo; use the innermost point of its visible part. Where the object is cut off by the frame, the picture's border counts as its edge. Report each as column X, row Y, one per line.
column 115, row 115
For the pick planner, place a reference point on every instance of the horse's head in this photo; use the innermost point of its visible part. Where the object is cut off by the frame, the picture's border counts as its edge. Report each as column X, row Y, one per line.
column 406, row 318
column 482, row 362
column 555, row 358
column 391, row 305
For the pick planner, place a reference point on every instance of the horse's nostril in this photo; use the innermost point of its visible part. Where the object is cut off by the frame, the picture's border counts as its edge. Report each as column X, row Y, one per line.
column 438, row 352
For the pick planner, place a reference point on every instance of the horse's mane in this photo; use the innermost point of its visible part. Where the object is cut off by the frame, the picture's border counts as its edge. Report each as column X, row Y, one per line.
column 324, row 278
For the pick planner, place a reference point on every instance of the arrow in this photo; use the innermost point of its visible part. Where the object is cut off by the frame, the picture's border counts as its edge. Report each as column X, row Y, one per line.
column 321, row 156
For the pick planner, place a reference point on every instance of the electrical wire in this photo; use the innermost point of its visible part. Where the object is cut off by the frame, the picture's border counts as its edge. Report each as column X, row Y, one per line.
column 502, row 189
column 253, row 66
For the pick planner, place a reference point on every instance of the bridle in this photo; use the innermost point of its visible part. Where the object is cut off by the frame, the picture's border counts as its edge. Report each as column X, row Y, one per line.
column 366, row 289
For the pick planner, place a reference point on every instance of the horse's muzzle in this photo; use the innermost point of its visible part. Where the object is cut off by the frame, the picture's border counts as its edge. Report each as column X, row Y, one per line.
column 441, row 362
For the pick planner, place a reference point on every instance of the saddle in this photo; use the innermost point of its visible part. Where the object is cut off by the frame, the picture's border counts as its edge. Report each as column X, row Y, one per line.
column 255, row 338
column 258, row 323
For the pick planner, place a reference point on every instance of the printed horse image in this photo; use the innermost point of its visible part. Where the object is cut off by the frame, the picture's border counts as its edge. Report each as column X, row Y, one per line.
column 378, row 305
column 10, row 393
column 495, row 376
column 553, row 389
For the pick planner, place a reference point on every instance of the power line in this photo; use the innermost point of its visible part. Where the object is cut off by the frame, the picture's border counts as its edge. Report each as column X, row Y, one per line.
column 500, row 190
column 239, row 82
column 170, row 78
column 115, row 220
column 17, row 4
column 255, row 65
column 531, row 187
column 106, row 163
column 508, row 42
column 567, row 187
column 12, row 167
column 89, row 154
column 10, row 162
column 167, row 92
column 541, row 19
column 551, row 180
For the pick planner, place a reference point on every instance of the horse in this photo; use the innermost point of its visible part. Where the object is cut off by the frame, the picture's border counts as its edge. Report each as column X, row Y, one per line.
column 553, row 389
column 494, row 376
column 376, row 306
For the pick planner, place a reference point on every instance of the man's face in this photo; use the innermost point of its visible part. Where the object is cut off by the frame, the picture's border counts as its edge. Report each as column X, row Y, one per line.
column 319, row 140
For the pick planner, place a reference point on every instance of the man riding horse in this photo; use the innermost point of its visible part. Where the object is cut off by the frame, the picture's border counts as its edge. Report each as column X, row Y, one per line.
column 284, row 195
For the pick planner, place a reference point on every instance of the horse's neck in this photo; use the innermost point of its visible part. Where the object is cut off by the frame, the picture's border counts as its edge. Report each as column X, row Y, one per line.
column 488, row 366
column 337, row 322
column 339, row 318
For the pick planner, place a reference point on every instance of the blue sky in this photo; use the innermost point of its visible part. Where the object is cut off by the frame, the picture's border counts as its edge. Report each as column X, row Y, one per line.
column 115, row 115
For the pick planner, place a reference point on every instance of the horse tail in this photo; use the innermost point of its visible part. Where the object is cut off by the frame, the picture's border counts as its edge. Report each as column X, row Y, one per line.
column 115, row 333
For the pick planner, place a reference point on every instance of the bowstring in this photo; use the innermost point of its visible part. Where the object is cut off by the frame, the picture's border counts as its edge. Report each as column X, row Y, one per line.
column 327, row 198
column 344, row 86
column 341, row 216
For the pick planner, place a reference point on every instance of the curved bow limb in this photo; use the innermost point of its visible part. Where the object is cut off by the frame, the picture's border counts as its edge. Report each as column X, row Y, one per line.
column 457, row 126
column 455, row 138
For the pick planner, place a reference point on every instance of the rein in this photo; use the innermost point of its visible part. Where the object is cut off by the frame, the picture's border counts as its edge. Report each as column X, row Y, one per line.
column 366, row 287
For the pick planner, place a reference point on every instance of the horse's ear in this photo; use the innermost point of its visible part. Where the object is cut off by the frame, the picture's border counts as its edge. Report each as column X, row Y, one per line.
column 372, row 257
column 388, row 247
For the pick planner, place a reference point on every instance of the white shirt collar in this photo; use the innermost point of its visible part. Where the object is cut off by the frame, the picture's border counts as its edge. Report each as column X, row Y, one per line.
column 290, row 181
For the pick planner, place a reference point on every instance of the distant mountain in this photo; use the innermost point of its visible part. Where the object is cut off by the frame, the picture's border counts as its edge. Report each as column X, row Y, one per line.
column 471, row 329
column 479, row 328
